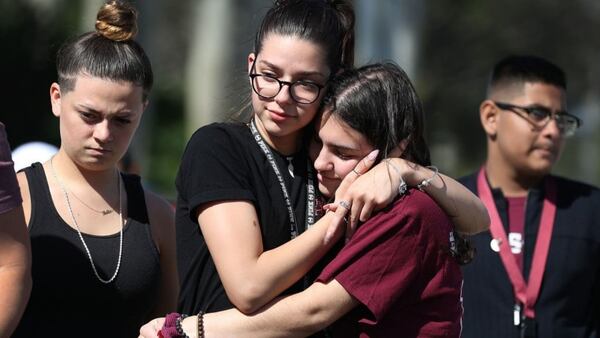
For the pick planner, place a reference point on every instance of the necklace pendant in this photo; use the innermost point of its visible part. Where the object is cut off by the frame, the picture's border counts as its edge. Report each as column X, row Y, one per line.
column 290, row 167
column 106, row 212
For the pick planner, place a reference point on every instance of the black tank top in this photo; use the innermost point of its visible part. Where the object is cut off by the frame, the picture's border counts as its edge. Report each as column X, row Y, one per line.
column 67, row 299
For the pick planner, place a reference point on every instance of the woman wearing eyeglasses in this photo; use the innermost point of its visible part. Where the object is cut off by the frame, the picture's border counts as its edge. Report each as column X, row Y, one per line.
column 248, row 226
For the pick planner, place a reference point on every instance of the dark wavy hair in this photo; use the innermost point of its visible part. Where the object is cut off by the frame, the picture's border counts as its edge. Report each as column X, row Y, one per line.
column 328, row 23
column 380, row 102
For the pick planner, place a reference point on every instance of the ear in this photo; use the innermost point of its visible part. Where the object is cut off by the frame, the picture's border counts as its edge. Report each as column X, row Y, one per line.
column 251, row 59
column 399, row 150
column 55, row 98
column 488, row 115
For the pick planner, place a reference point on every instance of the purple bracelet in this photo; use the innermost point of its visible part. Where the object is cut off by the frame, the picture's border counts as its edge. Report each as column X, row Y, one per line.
column 172, row 326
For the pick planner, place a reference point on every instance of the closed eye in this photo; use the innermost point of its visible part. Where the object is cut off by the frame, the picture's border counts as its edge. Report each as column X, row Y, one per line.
column 122, row 120
column 88, row 117
column 343, row 155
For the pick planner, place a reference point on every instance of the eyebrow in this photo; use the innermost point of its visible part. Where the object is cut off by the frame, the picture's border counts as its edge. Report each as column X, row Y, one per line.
column 302, row 73
column 540, row 106
column 83, row 106
column 341, row 147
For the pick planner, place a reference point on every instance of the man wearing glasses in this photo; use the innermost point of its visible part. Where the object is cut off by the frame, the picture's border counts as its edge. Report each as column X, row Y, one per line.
column 537, row 270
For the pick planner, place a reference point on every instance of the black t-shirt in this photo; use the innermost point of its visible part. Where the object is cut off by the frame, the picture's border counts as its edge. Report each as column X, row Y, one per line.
column 222, row 161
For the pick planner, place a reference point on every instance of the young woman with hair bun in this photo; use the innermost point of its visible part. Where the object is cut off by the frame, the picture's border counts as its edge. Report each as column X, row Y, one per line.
column 103, row 246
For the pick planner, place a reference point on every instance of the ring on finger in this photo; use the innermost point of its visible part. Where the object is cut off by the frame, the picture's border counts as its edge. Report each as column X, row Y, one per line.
column 356, row 172
column 345, row 205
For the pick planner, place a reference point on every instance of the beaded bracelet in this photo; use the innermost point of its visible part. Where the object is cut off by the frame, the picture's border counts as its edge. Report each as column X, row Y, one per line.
column 426, row 182
column 200, row 318
column 403, row 187
column 178, row 327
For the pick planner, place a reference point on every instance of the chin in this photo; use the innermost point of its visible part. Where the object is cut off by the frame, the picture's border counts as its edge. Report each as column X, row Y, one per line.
column 539, row 170
column 326, row 191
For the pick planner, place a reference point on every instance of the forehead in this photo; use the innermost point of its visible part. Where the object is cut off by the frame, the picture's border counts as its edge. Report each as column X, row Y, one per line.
column 105, row 96
column 293, row 54
column 537, row 93
column 93, row 87
column 336, row 132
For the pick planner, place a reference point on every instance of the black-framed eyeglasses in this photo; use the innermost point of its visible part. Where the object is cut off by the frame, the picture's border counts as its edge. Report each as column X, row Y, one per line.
column 540, row 116
column 268, row 86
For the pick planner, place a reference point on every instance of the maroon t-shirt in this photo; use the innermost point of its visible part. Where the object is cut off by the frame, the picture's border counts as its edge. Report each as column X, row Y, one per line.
column 10, row 196
column 399, row 267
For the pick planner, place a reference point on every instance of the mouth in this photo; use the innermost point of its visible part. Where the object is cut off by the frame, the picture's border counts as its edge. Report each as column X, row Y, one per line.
column 97, row 150
column 325, row 179
column 549, row 151
column 279, row 116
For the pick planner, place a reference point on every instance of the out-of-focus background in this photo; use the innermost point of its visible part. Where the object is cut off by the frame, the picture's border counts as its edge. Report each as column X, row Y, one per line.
column 198, row 49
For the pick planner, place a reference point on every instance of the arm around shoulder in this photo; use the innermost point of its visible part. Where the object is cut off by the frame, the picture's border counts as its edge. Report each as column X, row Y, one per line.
column 379, row 186
column 251, row 275
column 464, row 208
column 297, row 315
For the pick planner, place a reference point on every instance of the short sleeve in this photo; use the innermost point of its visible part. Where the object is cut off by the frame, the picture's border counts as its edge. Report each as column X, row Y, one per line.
column 385, row 256
column 214, row 167
column 10, row 196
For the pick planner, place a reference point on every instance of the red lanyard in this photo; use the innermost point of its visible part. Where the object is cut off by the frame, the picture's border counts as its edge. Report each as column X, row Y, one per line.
column 526, row 294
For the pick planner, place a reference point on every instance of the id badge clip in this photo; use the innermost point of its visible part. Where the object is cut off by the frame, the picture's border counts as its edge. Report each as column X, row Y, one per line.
column 517, row 315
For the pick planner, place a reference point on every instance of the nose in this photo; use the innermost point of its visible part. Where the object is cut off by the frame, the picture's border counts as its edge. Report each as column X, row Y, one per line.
column 552, row 130
column 284, row 96
column 322, row 162
column 102, row 132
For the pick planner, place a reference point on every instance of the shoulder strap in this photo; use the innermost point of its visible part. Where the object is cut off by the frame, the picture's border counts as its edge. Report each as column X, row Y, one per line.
column 136, row 201
column 39, row 193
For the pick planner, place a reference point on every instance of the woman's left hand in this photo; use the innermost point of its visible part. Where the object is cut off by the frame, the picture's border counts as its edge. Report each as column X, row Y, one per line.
column 152, row 328
column 367, row 190
column 347, row 201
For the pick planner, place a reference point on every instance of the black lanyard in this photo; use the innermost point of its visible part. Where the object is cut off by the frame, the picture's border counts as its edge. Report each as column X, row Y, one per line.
column 310, row 189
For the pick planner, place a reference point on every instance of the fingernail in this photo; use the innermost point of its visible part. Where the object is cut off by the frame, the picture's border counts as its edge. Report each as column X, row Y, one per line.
column 373, row 154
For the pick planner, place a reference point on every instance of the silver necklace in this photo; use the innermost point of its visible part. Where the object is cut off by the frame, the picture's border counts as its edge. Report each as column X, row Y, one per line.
column 87, row 250
column 103, row 212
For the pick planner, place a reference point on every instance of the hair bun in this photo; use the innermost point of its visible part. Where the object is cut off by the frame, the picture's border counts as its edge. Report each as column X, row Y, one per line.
column 117, row 21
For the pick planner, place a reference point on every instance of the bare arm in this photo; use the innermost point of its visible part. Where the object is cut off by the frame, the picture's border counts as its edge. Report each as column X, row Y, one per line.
column 467, row 212
column 250, row 275
column 465, row 209
column 162, row 221
column 15, row 251
column 15, row 269
column 297, row 315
